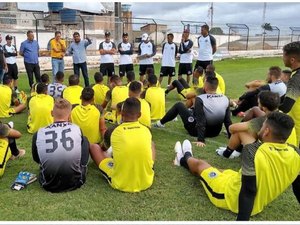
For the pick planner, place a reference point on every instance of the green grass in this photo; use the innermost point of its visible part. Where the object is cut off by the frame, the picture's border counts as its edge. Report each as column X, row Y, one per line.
column 175, row 194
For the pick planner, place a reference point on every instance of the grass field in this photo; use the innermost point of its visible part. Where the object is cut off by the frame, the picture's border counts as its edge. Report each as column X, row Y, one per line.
column 176, row 195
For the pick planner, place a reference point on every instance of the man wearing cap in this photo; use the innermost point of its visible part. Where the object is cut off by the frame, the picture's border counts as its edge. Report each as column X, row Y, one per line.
column 30, row 51
column 186, row 56
column 57, row 53
column 78, row 50
column 207, row 47
column 10, row 53
column 3, row 65
column 107, row 49
column 126, row 50
column 146, row 51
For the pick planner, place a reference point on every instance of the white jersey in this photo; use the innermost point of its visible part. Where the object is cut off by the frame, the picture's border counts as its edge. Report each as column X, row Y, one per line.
column 205, row 48
column 185, row 50
column 278, row 87
column 55, row 90
column 107, row 58
column 125, row 54
column 8, row 50
column 169, row 52
column 147, row 48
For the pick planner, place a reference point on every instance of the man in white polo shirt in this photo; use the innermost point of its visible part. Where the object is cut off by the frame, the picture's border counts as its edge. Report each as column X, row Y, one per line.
column 146, row 51
column 168, row 63
column 107, row 49
column 126, row 50
column 207, row 47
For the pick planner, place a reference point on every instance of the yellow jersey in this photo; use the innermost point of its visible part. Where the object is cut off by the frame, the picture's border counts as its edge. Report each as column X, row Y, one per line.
column 58, row 46
column 221, row 86
column 72, row 94
column 88, row 119
column 133, row 165
column 40, row 107
column 100, row 93
column 145, row 118
column 155, row 96
column 5, row 100
column 5, row 154
column 275, row 166
column 119, row 94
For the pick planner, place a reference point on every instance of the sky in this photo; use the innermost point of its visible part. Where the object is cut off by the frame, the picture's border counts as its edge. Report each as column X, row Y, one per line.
column 251, row 13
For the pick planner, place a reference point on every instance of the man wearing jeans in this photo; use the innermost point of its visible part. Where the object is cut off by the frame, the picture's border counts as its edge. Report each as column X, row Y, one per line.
column 30, row 51
column 78, row 49
column 57, row 52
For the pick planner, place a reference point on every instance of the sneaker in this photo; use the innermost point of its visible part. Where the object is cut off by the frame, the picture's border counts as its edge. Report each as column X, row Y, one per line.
column 17, row 91
column 11, row 124
column 21, row 154
column 109, row 152
column 158, row 124
column 179, row 154
column 220, row 151
column 187, row 147
column 234, row 154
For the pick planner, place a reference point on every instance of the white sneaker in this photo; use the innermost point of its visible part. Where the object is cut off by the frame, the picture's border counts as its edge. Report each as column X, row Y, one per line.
column 11, row 124
column 187, row 147
column 220, row 151
column 234, row 154
column 109, row 152
column 179, row 154
column 17, row 91
column 158, row 124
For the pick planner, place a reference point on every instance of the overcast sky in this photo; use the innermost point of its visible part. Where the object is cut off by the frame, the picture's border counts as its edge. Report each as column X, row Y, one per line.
column 251, row 13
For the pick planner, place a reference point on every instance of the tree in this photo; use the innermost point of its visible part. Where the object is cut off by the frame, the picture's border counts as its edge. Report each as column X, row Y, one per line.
column 216, row 31
column 267, row 26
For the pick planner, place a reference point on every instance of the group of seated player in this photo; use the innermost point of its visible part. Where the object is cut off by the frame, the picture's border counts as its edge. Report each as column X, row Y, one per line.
column 68, row 126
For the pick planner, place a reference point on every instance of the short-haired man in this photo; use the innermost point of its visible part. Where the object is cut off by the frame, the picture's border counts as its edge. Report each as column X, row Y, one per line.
column 130, row 76
column 44, row 79
column 248, row 191
column 207, row 118
column 146, row 51
column 30, row 51
column 3, row 65
column 286, row 75
column 73, row 92
column 39, row 109
column 99, row 88
column 131, row 169
column 78, row 51
column 107, row 49
column 168, row 63
column 10, row 53
column 186, row 56
column 221, row 86
column 207, row 47
column 125, row 49
column 6, row 99
column 57, row 53
column 55, row 90
column 61, row 151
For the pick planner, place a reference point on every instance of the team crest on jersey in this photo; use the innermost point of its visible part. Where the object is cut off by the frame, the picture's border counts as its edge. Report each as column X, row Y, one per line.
column 110, row 164
column 212, row 174
column 172, row 48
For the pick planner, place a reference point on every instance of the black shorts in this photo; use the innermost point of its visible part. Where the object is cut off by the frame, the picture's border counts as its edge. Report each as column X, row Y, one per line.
column 125, row 69
column 167, row 71
column 13, row 71
column 143, row 68
column 185, row 68
column 203, row 64
column 107, row 69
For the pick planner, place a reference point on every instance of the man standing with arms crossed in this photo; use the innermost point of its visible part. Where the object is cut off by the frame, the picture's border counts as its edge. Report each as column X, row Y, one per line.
column 126, row 50
column 58, row 50
column 186, row 56
column 207, row 47
column 30, row 51
column 10, row 53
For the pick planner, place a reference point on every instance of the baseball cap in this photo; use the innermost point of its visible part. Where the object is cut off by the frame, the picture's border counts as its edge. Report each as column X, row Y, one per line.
column 145, row 37
column 107, row 33
column 8, row 37
column 125, row 34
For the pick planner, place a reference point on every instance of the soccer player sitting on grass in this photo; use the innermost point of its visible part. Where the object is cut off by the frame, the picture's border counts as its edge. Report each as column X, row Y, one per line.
column 8, row 146
column 39, row 109
column 255, row 185
column 268, row 102
column 100, row 89
column 9, row 104
column 44, row 80
column 72, row 93
column 57, row 87
column 131, row 169
column 285, row 76
column 207, row 118
column 221, row 87
column 130, row 76
column 155, row 96
column 88, row 117
column 61, row 151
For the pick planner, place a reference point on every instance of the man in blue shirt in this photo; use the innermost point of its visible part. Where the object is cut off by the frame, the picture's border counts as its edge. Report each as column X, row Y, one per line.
column 78, row 49
column 30, row 51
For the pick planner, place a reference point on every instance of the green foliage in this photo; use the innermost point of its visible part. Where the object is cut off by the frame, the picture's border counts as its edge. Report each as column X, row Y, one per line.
column 216, row 31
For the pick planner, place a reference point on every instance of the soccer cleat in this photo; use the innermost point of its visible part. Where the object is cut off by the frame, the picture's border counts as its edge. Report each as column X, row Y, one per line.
column 234, row 154
column 11, row 124
column 187, row 147
column 220, row 151
column 158, row 124
column 21, row 154
column 179, row 154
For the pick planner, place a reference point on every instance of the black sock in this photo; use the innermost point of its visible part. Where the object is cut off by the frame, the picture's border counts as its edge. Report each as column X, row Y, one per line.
column 184, row 159
column 227, row 153
column 240, row 148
